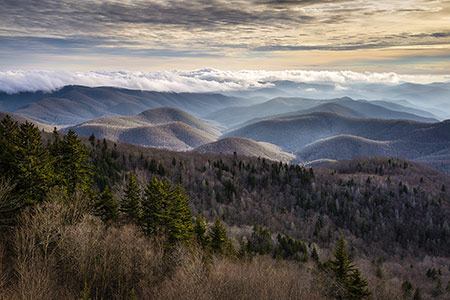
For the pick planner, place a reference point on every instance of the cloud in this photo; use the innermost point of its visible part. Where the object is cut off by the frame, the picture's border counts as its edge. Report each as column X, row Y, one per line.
column 339, row 87
column 203, row 80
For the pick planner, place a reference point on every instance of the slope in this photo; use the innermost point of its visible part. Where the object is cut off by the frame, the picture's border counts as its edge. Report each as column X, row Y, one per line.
column 75, row 104
column 234, row 117
column 247, row 147
column 343, row 147
column 163, row 127
column 20, row 119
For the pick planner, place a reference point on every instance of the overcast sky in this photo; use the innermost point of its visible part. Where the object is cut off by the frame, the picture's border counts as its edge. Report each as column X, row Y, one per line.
column 401, row 36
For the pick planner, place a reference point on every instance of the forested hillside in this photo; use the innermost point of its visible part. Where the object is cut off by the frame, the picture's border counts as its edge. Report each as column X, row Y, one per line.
column 94, row 219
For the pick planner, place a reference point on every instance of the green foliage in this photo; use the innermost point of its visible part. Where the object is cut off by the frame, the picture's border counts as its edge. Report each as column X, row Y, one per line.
column 260, row 241
column 166, row 212
column 85, row 293
column 289, row 248
column 346, row 274
column 201, row 232
column 132, row 295
column 219, row 242
column 71, row 164
column 32, row 165
column 106, row 206
column 131, row 201
column 407, row 288
column 106, row 167
column 25, row 161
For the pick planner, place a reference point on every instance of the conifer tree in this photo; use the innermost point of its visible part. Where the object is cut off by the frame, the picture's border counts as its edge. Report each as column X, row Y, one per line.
column 9, row 131
column 347, row 275
column 131, row 202
column 71, row 164
column 219, row 242
column 260, row 241
column 166, row 212
column 180, row 215
column 155, row 206
column 201, row 231
column 106, row 206
column 33, row 175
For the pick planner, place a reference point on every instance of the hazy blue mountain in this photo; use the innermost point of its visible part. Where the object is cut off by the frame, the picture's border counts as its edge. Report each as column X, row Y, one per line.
column 233, row 117
column 75, row 104
column 324, row 135
column 21, row 119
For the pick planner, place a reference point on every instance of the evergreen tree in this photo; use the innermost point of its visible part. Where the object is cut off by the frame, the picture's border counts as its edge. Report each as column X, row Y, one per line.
column 347, row 275
column 9, row 131
column 106, row 206
column 131, row 202
column 219, row 242
column 260, row 241
column 201, row 231
column 155, row 206
column 71, row 163
column 31, row 164
column 180, row 225
column 357, row 286
column 166, row 212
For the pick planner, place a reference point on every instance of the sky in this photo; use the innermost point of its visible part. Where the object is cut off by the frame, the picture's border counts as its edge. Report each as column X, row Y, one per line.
column 406, row 37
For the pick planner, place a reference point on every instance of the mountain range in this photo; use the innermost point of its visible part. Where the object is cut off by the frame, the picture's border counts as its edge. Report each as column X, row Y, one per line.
column 163, row 127
column 76, row 104
column 298, row 129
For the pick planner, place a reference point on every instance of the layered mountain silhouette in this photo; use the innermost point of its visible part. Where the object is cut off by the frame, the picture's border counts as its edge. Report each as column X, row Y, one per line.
column 297, row 129
column 75, row 104
column 324, row 135
column 237, row 116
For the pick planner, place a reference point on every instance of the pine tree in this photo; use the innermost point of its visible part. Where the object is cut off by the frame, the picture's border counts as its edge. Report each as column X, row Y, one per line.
column 342, row 266
column 71, row 164
column 201, row 231
column 180, row 225
column 106, row 206
column 155, row 206
column 219, row 242
column 9, row 131
column 166, row 212
column 347, row 275
column 260, row 241
column 31, row 162
column 131, row 202
column 357, row 286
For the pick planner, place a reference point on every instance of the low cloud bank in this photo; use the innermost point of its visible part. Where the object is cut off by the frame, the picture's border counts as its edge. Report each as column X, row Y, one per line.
column 203, row 80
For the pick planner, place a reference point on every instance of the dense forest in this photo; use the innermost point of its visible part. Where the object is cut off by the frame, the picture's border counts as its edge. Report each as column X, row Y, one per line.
column 84, row 218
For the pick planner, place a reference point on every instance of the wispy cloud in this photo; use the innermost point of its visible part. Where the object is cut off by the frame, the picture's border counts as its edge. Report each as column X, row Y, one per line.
column 203, row 80
column 96, row 32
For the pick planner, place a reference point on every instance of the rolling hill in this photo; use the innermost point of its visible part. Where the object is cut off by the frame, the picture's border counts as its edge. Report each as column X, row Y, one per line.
column 75, row 104
column 294, row 131
column 343, row 147
column 247, row 147
column 163, row 127
column 234, row 117
column 21, row 119
column 323, row 135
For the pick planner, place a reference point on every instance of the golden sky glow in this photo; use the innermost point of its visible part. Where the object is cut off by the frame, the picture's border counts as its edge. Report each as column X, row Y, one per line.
column 405, row 36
